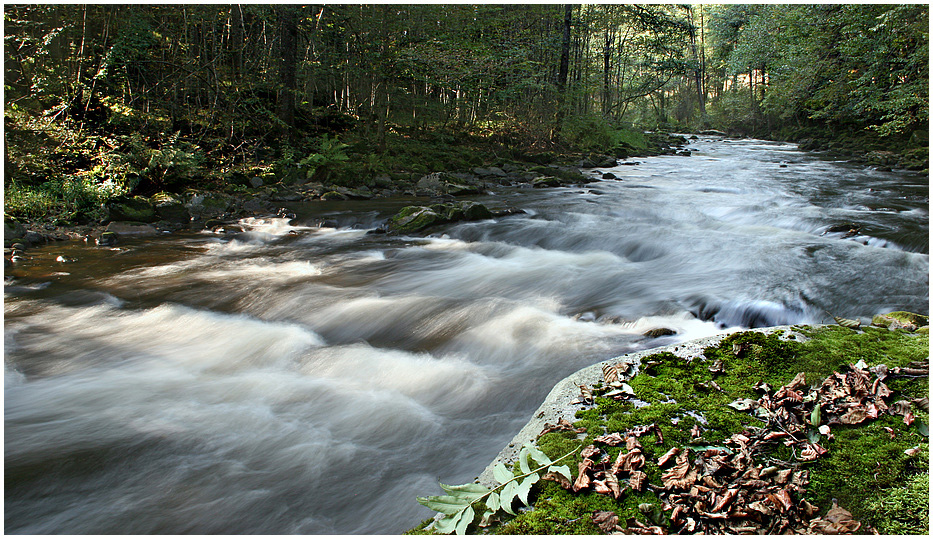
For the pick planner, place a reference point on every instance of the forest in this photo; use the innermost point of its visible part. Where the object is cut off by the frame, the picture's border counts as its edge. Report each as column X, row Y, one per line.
column 108, row 100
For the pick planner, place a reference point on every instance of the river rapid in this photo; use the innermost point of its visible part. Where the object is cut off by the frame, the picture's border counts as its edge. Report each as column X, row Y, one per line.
column 315, row 380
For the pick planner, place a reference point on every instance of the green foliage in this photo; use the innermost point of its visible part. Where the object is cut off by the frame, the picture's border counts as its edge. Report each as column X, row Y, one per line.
column 62, row 200
column 458, row 505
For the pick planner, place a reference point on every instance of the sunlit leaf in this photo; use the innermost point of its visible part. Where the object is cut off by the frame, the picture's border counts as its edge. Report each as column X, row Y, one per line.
column 473, row 489
column 847, row 322
column 523, row 460
column 492, row 502
column 465, row 519
column 525, row 487
column 539, row 456
column 506, row 496
column 444, row 504
column 501, row 473
column 815, row 416
column 563, row 470
column 448, row 523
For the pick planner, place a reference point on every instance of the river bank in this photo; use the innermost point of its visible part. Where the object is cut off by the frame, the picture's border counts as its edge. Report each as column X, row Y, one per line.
column 264, row 195
column 705, row 394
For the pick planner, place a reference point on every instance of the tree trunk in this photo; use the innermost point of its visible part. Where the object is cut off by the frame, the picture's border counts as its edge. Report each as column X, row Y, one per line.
column 288, row 53
column 565, row 51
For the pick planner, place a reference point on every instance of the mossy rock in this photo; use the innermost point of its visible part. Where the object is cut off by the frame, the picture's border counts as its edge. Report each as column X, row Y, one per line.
column 900, row 320
column 334, row 195
column 546, row 181
column 866, row 467
column 13, row 228
column 415, row 219
column 136, row 209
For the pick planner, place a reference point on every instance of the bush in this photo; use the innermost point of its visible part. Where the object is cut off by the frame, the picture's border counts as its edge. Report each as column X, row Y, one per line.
column 66, row 199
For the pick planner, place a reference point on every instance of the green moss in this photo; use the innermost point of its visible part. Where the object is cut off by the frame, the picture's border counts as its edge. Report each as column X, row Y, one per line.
column 903, row 510
column 862, row 458
column 558, row 511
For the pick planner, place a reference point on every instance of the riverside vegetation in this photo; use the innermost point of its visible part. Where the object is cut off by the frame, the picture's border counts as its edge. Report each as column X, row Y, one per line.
column 816, row 454
column 167, row 113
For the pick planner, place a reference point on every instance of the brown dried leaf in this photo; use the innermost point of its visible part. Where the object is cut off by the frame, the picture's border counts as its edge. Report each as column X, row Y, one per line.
column 583, row 479
column 854, row 416
column 589, row 452
column 615, row 488
column 671, row 453
column 586, row 394
column 612, row 439
column 557, row 478
column 717, row 367
column 782, row 500
column 680, row 476
column 607, row 521
column 610, row 374
column 836, row 521
column 695, row 432
column 637, row 480
column 632, row 443
column 562, row 425
column 798, row 381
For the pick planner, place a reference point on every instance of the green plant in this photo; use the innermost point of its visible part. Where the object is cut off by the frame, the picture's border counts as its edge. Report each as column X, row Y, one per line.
column 64, row 199
column 331, row 153
column 457, row 505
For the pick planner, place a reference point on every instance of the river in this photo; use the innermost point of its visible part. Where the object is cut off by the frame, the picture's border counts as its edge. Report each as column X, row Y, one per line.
column 314, row 380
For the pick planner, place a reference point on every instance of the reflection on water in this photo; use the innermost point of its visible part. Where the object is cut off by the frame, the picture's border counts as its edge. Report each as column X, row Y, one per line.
column 306, row 379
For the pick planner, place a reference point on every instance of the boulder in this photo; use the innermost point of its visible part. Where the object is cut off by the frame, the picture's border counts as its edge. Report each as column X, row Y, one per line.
column 169, row 208
column 136, row 209
column 34, row 238
column 610, row 176
column 257, row 205
column 546, row 181
column 414, row 219
column 256, row 182
column 900, row 320
column 13, row 229
column 334, row 195
column 107, row 239
column 713, row 132
column 208, row 205
column 417, row 218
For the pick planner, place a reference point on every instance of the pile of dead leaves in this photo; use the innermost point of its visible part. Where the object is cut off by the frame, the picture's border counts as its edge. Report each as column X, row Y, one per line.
column 713, row 490
column 723, row 490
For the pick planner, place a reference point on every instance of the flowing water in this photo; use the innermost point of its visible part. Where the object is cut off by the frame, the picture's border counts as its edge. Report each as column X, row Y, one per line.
column 308, row 379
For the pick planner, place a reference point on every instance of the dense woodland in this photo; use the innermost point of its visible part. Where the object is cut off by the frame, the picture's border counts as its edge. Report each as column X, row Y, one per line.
column 102, row 100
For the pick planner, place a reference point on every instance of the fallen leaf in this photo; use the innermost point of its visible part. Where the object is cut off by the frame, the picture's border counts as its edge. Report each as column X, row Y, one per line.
column 607, row 521
column 610, row 374
column 637, row 480
column 671, row 453
column 717, row 367
column 583, row 480
column 912, row 451
column 613, row 439
column 557, row 478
